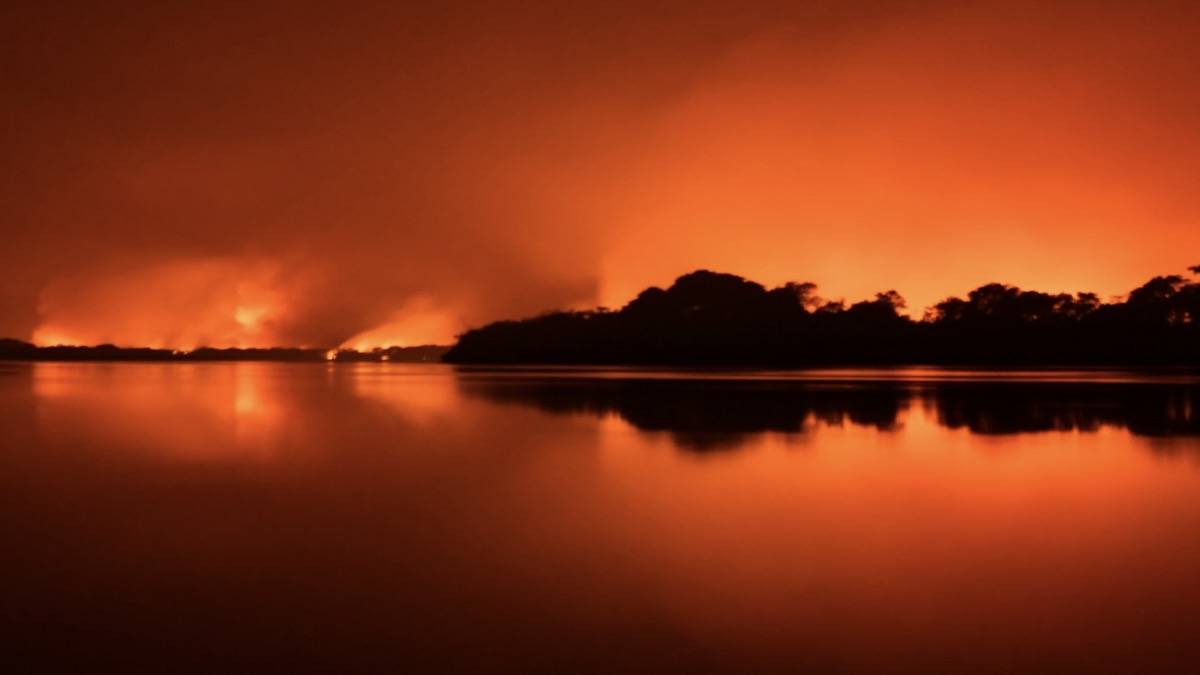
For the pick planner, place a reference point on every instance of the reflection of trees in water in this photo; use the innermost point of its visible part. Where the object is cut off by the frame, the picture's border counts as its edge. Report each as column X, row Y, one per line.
column 1145, row 409
column 701, row 415
column 712, row 414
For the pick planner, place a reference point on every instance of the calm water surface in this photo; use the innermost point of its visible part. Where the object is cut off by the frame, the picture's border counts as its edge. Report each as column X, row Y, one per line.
column 388, row 518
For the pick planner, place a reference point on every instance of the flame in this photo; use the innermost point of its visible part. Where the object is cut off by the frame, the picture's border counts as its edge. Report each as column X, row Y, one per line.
column 249, row 318
column 52, row 336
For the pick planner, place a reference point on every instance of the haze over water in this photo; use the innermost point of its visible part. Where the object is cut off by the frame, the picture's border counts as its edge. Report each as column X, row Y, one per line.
column 370, row 517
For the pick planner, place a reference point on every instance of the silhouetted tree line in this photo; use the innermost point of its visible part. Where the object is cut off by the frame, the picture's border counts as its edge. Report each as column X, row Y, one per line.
column 724, row 414
column 417, row 354
column 17, row 350
column 708, row 318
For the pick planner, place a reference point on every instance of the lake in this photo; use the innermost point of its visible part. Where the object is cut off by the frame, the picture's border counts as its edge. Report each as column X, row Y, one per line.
column 258, row 517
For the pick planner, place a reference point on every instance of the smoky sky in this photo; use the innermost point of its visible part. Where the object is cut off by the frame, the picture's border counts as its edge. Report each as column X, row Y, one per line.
column 300, row 173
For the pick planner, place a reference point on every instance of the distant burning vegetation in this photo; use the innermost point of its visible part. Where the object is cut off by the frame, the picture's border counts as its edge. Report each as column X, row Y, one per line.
column 24, row 351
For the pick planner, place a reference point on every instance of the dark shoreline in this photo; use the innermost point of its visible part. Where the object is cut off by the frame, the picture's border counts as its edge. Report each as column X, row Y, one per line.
column 16, row 350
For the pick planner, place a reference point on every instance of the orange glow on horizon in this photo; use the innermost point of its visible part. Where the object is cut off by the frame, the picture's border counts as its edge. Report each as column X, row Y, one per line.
column 419, row 322
column 402, row 191
column 48, row 336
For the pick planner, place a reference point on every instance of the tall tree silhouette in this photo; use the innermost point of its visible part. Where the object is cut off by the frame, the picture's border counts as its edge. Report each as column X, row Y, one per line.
column 711, row 318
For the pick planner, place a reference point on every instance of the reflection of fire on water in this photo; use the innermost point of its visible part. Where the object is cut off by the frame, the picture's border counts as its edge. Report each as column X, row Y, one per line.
column 352, row 355
column 182, row 411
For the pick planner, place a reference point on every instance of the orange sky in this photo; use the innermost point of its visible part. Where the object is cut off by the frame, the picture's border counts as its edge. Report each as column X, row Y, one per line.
column 366, row 173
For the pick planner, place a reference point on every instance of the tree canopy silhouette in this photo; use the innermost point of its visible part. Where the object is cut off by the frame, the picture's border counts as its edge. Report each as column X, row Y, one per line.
column 711, row 318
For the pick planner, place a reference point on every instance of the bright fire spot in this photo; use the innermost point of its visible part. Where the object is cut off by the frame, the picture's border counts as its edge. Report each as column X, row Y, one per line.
column 385, row 357
column 249, row 317
column 49, row 337
column 331, row 355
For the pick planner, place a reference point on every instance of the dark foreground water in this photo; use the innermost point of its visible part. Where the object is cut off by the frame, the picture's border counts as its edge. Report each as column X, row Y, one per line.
column 263, row 518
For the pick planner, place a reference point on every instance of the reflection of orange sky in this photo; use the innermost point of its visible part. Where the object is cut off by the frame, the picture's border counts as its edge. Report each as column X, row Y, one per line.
column 923, row 147
column 881, row 516
column 417, row 393
column 843, row 548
